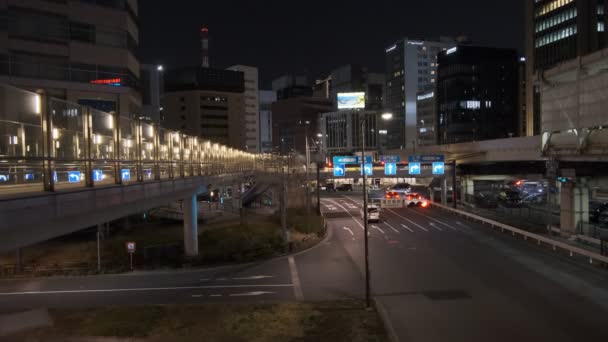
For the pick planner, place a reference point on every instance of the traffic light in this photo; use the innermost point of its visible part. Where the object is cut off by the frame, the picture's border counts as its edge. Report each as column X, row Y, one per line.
column 564, row 180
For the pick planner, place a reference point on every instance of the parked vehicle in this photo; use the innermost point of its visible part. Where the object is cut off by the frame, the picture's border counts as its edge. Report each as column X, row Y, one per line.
column 392, row 195
column 413, row 199
column 373, row 213
column 485, row 199
column 345, row 187
column 401, row 188
column 509, row 198
column 603, row 219
column 330, row 187
column 596, row 209
column 538, row 198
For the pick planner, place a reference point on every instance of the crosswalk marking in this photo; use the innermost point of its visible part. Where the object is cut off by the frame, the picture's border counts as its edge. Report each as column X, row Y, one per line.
column 410, row 221
column 378, row 228
column 391, row 227
column 435, row 226
column 406, row 227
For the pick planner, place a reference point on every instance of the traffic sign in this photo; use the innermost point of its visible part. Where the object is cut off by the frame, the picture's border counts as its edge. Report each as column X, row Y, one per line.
column 339, row 170
column 126, row 174
column 131, row 247
column 390, row 159
column 390, row 169
column 414, row 168
column 369, row 169
column 426, row 158
column 97, row 175
column 73, row 176
column 438, row 168
column 350, row 159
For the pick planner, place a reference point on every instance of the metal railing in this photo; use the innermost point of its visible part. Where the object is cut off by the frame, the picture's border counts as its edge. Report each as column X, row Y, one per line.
column 46, row 144
column 572, row 250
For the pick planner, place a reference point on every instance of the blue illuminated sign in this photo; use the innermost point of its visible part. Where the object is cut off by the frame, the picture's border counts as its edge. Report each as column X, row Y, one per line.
column 390, row 159
column 28, row 177
column 390, row 169
column 97, row 175
column 414, row 168
column 126, row 174
column 426, row 159
column 350, row 159
column 148, row 173
column 55, row 176
column 369, row 169
column 74, row 176
column 339, row 170
column 438, row 168
column 4, row 178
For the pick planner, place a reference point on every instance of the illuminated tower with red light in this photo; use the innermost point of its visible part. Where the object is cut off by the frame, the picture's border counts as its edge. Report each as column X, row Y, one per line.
column 205, row 46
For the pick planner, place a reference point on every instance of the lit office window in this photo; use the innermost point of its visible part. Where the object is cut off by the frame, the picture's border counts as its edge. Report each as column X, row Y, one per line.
column 601, row 26
column 600, row 9
column 555, row 20
column 551, row 6
column 555, row 36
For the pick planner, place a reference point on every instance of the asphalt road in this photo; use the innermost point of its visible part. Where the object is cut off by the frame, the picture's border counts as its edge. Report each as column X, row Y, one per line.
column 438, row 277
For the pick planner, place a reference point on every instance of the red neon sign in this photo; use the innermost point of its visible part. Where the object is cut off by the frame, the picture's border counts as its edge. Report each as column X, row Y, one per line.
column 110, row 81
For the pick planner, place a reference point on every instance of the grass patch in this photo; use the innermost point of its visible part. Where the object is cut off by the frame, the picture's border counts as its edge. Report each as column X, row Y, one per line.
column 338, row 321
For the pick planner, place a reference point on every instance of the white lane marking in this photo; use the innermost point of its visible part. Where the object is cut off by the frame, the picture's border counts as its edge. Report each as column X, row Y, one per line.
column 435, row 226
column 351, row 215
column 430, row 218
column 205, row 279
column 295, row 279
column 257, row 277
column 348, row 230
column 250, row 294
column 197, row 296
column 378, row 228
column 142, row 289
column 215, row 295
column 221, row 279
column 406, row 227
column 393, row 228
column 412, row 222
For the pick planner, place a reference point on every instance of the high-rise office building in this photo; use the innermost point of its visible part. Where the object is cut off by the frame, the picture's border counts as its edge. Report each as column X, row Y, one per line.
column 322, row 88
column 208, row 103
column 290, row 86
column 80, row 51
column 557, row 31
column 356, row 78
column 151, row 77
column 252, row 107
column 477, row 94
column 267, row 97
column 427, row 117
column 411, row 67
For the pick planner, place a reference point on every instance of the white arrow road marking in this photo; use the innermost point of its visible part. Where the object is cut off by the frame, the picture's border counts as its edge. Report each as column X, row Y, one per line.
column 351, row 215
column 412, row 222
column 253, row 293
column 406, row 227
column 349, row 230
column 381, row 231
column 391, row 227
column 435, row 226
column 254, row 277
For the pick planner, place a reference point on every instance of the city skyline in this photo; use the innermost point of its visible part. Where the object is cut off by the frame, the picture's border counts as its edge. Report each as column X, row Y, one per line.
column 318, row 36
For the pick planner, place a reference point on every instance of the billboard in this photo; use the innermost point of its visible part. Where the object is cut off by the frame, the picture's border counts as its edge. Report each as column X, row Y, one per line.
column 351, row 100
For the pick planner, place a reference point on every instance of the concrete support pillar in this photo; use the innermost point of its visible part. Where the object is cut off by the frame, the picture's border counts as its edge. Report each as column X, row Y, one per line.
column 444, row 191
column 190, row 226
column 574, row 205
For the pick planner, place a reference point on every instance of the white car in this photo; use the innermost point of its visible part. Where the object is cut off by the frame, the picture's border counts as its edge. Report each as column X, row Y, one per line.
column 373, row 213
column 413, row 199
column 400, row 188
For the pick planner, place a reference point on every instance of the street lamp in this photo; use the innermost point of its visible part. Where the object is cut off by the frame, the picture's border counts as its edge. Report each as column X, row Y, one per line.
column 386, row 117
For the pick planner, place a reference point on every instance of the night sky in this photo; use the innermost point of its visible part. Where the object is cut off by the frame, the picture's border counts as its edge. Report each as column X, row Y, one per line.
column 313, row 36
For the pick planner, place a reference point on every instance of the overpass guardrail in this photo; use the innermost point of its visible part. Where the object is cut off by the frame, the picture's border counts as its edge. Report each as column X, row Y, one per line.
column 48, row 144
column 572, row 250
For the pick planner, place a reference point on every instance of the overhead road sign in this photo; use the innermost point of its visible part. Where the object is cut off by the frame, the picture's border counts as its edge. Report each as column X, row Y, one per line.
column 414, row 168
column 426, row 158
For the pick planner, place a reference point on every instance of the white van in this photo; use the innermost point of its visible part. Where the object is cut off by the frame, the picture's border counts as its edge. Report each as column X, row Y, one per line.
column 373, row 213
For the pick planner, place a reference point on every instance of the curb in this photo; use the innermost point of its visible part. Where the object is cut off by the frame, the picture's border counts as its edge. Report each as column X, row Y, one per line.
column 388, row 326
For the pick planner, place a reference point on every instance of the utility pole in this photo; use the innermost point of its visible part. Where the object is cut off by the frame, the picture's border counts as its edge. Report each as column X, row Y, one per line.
column 318, row 189
column 365, row 223
column 454, row 184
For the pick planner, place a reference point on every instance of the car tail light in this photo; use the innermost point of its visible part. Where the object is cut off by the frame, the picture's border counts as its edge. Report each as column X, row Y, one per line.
column 387, row 196
column 409, row 198
column 420, row 198
column 425, row 204
column 396, row 195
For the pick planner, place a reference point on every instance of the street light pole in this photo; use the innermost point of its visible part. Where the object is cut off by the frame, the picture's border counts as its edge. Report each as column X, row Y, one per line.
column 365, row 225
